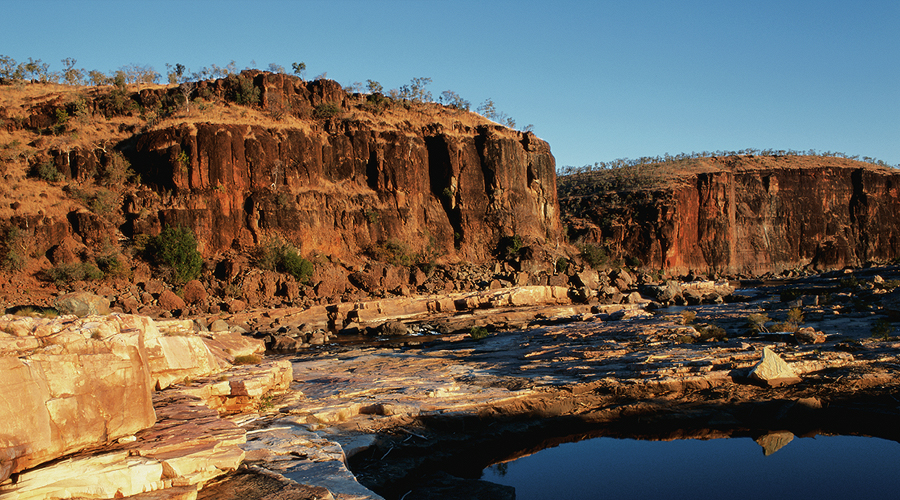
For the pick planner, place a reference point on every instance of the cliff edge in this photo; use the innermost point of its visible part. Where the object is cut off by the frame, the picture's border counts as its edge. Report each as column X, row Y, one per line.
column 740, row 215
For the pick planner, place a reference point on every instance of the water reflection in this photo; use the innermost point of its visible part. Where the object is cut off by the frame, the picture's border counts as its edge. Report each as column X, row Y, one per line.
column 788, row 467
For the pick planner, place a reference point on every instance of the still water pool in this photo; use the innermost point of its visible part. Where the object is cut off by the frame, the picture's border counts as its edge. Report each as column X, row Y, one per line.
column 823, row 467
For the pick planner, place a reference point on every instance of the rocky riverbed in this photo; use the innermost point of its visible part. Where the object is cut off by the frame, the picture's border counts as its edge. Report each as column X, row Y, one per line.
column 418, row 415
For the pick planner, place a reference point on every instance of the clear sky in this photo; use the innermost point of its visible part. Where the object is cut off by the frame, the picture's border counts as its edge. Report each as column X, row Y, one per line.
column 598, row 80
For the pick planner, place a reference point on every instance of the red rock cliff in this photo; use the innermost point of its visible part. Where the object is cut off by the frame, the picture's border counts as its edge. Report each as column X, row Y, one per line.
column 741, row 215
column 343, row 186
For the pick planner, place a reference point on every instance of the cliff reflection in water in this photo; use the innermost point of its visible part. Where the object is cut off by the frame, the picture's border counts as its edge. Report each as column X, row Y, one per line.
column 821, row 467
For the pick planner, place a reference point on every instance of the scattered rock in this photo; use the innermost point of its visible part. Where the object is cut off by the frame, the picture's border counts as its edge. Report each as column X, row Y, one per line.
column 194, row 292
column 169, row 301
column 365, row 281
column 219, row 325
column 808, row 335
column 391, row 328
column 773, row 370
column 82, row 304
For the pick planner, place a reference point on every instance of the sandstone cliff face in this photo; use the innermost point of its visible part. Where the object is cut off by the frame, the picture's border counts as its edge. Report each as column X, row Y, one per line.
column 742, row 217
column 344, row 190
column 338, row 186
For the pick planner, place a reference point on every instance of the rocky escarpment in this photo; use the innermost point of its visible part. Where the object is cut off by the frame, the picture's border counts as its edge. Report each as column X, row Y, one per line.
column 749, row 215
column 434, row 184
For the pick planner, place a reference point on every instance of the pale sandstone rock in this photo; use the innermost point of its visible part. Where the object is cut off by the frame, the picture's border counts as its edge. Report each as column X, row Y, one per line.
column 773, row 370
column 77, row 391
column 78, row 382
column 227, row 345
column 187, row 447
column 82, row 304
column 177, row 356
column 108, row 475
column 243, row 387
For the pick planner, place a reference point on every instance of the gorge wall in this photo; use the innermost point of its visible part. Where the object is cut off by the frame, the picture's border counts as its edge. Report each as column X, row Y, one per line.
column 437, row 183
column 750, row 216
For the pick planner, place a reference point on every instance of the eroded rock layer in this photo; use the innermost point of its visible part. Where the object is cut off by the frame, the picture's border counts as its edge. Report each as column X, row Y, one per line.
column 346, row 188
column 741, row 215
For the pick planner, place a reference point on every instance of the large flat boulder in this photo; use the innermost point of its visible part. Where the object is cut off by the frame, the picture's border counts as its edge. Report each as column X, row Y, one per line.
column 71, row 383
column 86, row 383
column 175, row 353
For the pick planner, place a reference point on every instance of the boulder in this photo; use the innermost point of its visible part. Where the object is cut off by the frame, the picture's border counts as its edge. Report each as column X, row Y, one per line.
column 82, row 304
column 365, row 281
column 666, row 294
column 66, row 252
column 176, row 356
column 154, row 287
column 622, row 279
column 235, row 305
column 170, row 302
column 194, row 292
column 773, row 370
column 284, row 343
column 587, row 278
column 219, row 325
column 808, row 335
column 88, row 385
column 391, row 328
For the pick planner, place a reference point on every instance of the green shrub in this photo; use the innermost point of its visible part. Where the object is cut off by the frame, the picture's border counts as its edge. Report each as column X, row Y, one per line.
column 478, row 332
column 393, row 252
column 326, row 110
column 792, row 323
column 711, row 333
column 62, row 118
column 64, row 274
column 13, row 246
column 247, row 359
column 888, row 284
column 116, row 171
column 757, row 322
column 297, row 266
column 882, row 329
column 117, row 101
column 46, row 171
column 243, row 91
column 510, row 246
column 33, row 311
column 112, row 265
column 283, row 257
column 176, row 248
column 376, row 103
column 562, row 265
column 594, row 255
column 13, row 261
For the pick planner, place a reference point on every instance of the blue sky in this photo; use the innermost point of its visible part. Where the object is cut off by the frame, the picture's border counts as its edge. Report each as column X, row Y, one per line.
column 598, row 80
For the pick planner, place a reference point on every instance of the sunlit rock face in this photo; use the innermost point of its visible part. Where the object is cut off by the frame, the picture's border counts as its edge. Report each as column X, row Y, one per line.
column 344, row 186
column 737, row 215
column 69, row 384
